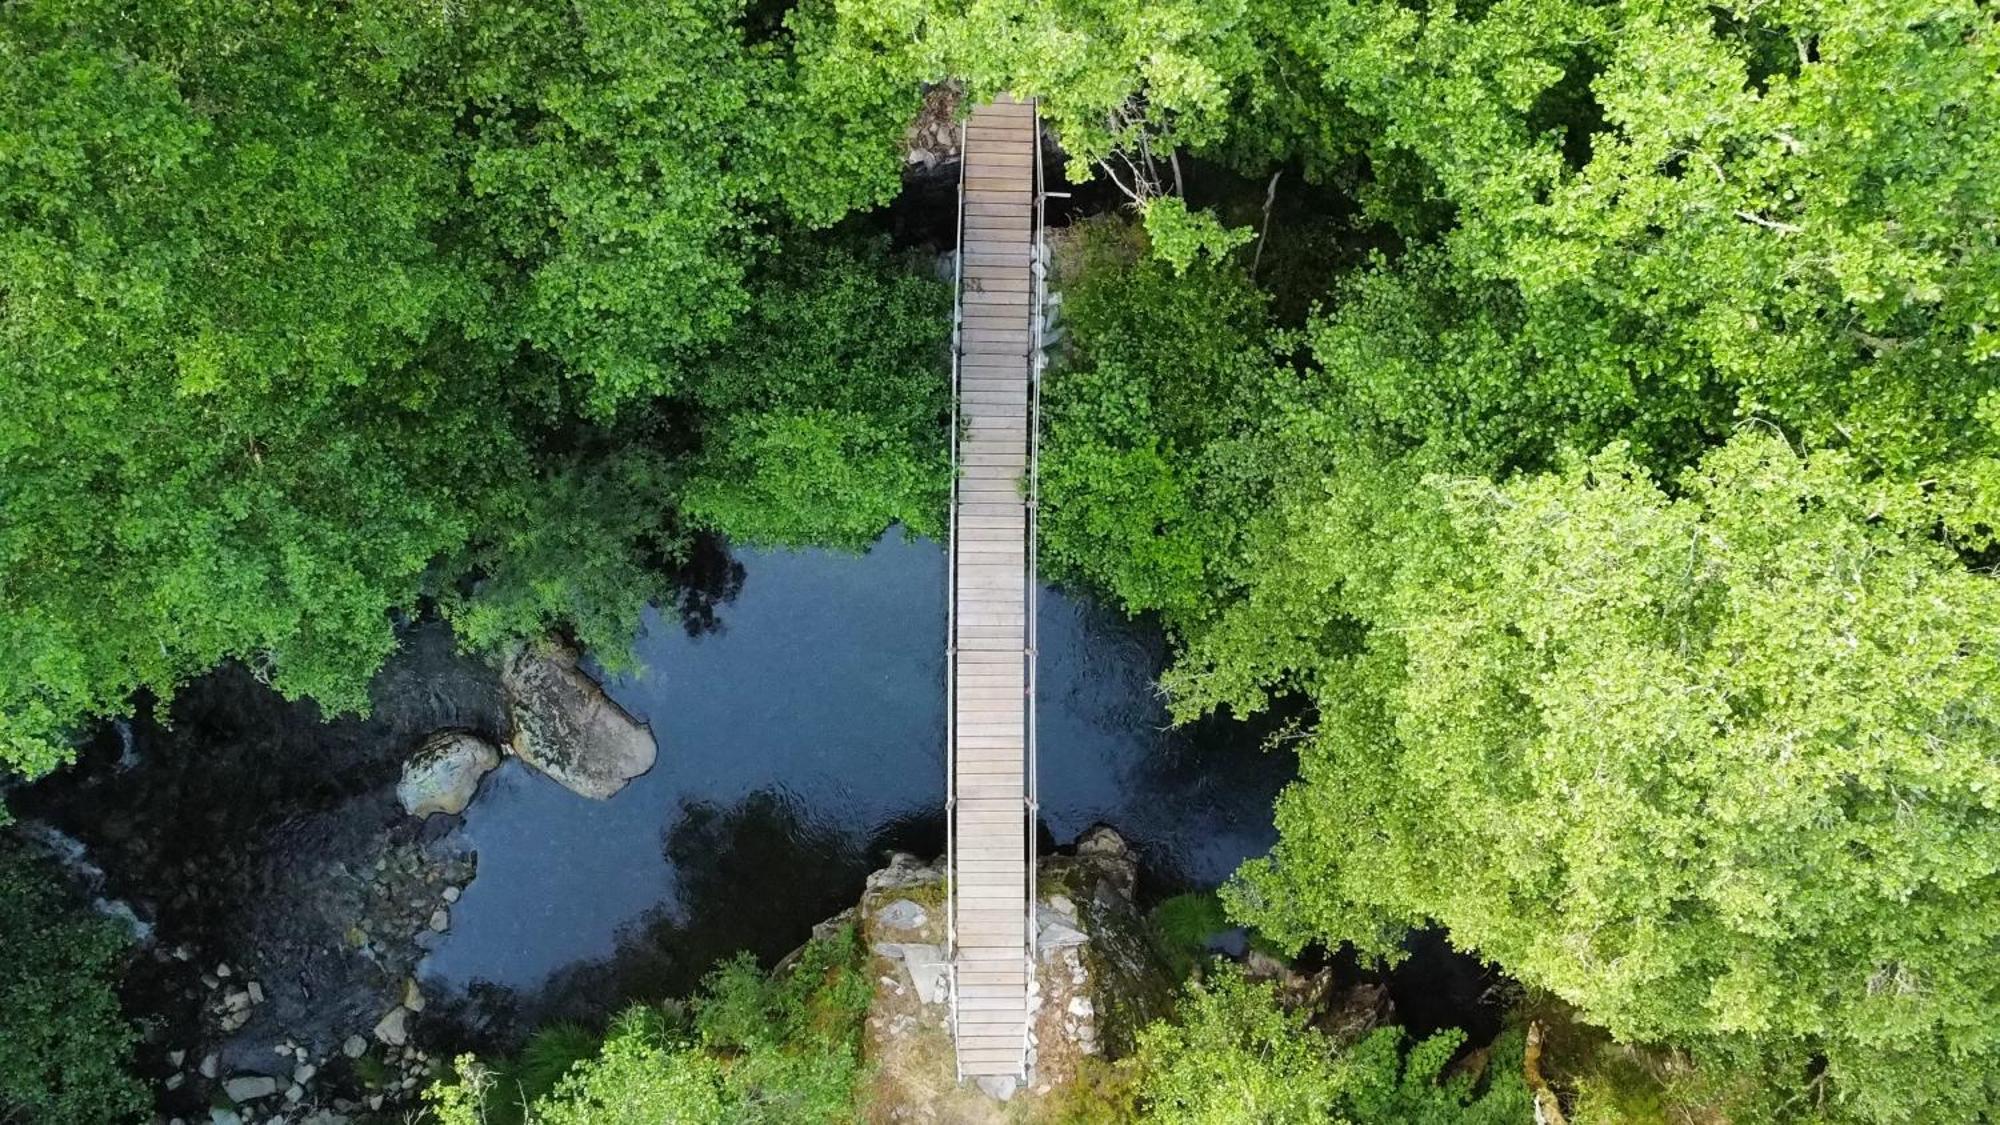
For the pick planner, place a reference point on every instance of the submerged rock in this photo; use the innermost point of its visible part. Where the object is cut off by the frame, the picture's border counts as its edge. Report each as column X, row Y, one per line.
column 250, row 1087
column 565, row 726
column 444, row 773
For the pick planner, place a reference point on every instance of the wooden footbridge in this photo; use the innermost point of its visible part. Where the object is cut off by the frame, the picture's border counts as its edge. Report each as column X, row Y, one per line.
column 991, row 811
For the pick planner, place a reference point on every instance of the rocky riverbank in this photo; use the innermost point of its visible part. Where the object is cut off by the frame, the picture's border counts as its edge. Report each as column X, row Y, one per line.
column 286, row 874
column 1096, row 979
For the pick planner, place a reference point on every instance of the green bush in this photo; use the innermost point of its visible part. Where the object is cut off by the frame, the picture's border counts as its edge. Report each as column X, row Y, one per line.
column 782, row 1048
column 1233, row 1054
column 1181, row 927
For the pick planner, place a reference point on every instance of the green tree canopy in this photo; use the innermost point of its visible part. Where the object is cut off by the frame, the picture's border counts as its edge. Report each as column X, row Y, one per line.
column 1718, row 767
column 313, row 312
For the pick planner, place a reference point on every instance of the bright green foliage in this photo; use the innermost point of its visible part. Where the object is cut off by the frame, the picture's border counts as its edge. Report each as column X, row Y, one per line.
column 1180, row 236
column 1231, row 1054
column 1234, row 1054
column 779, row 1048
column 218, row 354
column 1107, row 72
column 1718, row 768
column 828, row 404
column 64, row 1043
column 1691, row 211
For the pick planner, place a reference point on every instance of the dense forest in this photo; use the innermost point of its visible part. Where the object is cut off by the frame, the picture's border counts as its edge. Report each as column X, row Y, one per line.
column 1580, row 419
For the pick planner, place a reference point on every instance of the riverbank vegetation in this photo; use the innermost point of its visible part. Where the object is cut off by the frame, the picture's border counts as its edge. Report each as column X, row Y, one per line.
column 779, row 1047
column 1584, row 416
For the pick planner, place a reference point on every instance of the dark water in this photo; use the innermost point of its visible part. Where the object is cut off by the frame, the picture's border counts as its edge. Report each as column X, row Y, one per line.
column 800, row 739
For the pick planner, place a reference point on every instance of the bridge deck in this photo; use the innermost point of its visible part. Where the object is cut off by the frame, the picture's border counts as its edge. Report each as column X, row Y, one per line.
column 992, row 584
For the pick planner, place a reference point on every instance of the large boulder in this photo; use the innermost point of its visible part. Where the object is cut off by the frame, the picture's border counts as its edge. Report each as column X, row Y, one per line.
column 565, row 726
column 444, row 773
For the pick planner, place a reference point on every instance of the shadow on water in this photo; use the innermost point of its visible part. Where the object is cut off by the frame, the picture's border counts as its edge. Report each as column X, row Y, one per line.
column 801, row 739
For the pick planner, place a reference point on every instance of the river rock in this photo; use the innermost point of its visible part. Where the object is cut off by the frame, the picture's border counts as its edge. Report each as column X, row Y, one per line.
column 394, row 1028
column 355, row 1047
column 444, row 773
column 250, row 1087
column 565, row 726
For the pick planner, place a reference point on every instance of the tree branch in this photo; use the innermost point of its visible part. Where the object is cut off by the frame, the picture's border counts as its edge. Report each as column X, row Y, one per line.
column 1270, row 197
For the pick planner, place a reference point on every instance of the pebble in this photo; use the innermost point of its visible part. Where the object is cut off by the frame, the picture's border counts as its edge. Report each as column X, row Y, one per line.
column 451, row 894
column 440, row 920
column 355, row 1047
column 210, row 1065
column 256, row 991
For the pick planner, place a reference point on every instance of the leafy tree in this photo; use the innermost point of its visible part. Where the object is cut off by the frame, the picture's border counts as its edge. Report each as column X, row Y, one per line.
column 64, row 1042
column 314, row 312
column 1234, row 1053
column 632, row 154
column 1148, row 423
column 1713, row 766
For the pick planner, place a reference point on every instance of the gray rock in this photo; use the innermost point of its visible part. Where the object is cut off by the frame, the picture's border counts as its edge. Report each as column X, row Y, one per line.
column 394, row 1028
column 926, row 964
column 565, row 726
column 440, row 920
column 905, row 870
column 451, row 894
column 831, row 926
column 999, row 1087
column 256, row 992
column 444, row 773
column 413, row 997
column 1081, row 1007
column 220, row 1116
column 210, row 1064
column 902, row 914
column 250, row 1087
column 355, row 1047
column 1057, row 934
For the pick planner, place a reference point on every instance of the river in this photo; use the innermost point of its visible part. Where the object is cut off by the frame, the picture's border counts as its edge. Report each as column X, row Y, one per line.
column 801, row 738
column 797, row 701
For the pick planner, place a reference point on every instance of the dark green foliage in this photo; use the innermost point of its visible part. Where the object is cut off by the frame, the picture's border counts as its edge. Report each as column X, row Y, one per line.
column 1147, row 421
column 1182, row 926
column 312, row 312
column 64, row 1042
column 550, row 1054
column 828, row 403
